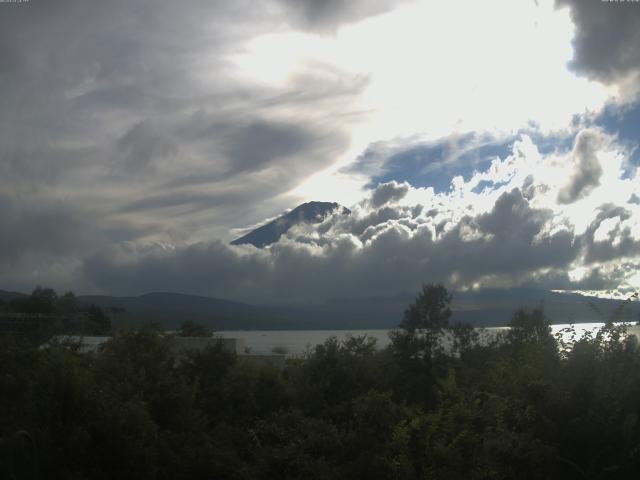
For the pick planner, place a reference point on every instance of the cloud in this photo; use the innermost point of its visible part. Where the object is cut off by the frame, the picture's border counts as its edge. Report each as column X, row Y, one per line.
column 388, row 192
column 466, row 237
column 30, row 227
column 396, row 257
column 152, row 129
column 329, row 15
column 431, row 163
column 39, row 166
column 141, row 114
column 610, row 236
column 606, row 39
column 142, row 146
column 587, row 168
column 260, row 145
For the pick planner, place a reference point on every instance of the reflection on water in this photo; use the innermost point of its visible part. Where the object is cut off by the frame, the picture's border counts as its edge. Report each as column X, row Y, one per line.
column 296, row 342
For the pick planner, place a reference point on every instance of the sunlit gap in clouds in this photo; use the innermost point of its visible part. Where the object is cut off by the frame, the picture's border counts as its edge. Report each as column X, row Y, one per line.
column 437, row 68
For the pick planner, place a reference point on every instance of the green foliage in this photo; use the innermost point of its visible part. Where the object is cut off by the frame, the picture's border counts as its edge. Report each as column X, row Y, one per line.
column 42, row 300
column 521, row 406
column 44, row 314
column 418, row 344
column 430, row 311
column 97, row 322
column 529, row 327
column 189, row 328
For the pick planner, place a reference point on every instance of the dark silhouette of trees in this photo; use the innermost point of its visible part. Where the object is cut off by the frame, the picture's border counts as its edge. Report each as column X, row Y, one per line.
column 417, row 344
column 430, row 312
column 419, row 335
column 437, row 403
column 530, row 327
column 97, row 322
column 189, row 328
column 67, row 303
column 41, row 301
column 44, row 314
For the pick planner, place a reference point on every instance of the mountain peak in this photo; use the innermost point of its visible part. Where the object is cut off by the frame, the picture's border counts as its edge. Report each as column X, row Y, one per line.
column 309, row 212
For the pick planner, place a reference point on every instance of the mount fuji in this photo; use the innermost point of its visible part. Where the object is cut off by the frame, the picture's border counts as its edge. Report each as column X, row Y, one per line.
column 310, row 212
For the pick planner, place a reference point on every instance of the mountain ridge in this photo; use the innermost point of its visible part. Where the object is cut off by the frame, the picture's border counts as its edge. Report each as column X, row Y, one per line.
column 491, row 307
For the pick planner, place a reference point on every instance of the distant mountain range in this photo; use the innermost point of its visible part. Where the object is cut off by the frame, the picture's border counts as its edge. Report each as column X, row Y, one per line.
column 171, row 309
column 491, row 307
column 310, row 212
column 6, row 296
column 483, row 308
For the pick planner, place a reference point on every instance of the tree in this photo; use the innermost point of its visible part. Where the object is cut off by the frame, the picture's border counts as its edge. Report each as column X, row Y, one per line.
column 44, row 300
column 41, row 301
column 99, row 323
column 67, row 303
column 430, row 312
column 417, row 344
column 189, row 328
column 427, row 318
column 529, row 327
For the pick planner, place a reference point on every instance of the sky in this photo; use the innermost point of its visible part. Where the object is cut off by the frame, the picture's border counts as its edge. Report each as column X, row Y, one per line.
column 479, row 144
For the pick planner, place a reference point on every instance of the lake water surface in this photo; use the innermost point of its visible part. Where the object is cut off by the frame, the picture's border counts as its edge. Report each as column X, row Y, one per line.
column 296, row 342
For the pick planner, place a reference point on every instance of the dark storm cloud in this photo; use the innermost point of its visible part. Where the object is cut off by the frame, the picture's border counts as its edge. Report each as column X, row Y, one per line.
column 507, row 242
column 196, row 268
column 36, row 167
column 587, row 168
column 619, row 242
column 141, row 146
column 597, row 278
column 389, row 192
column 512, row 215
column 255, row 146
column 32, row 228
column 153, row 202
column 328, row 15
column 606, row 38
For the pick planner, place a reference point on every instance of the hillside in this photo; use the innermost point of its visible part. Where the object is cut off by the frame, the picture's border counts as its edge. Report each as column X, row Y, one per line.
column 171, row 309
column 481, row 308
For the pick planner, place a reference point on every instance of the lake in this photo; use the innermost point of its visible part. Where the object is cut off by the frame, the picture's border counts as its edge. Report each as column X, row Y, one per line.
column 296, row 342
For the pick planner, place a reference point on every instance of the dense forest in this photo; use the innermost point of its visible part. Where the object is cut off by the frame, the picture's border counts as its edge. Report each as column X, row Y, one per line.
column 523, row 405
column 44, row 313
